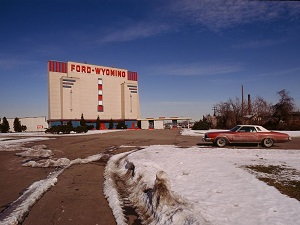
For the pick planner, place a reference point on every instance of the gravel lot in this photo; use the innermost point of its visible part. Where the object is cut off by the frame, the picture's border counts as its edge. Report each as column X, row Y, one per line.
column 77, row 198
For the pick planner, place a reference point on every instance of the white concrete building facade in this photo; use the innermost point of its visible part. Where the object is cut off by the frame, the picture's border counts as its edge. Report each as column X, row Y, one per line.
column 163, row 122
column 77, row 89
column 33, row 124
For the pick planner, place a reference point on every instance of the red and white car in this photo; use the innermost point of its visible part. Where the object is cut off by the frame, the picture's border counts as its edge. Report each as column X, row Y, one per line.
column 246, row 134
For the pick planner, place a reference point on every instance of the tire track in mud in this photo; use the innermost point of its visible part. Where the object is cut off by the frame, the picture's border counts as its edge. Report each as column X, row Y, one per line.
column 15, row 212
column 129, row 210
column 153, row 203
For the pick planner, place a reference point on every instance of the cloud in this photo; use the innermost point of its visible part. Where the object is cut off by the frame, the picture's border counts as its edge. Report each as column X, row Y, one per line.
column 8, row 63
column 195, row 69
column 179, row 103
column 135, row 31
column 293, row 71
column 259, row 43
column 221, row 14
column 216, row 15
column 261, row 77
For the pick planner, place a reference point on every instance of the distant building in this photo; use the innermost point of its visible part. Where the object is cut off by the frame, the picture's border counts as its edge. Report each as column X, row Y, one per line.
column 165, row 123
column 32, row 123
column 93, row 91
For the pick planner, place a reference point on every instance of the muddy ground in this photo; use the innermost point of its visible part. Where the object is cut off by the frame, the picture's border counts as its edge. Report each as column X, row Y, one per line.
column 77, row 198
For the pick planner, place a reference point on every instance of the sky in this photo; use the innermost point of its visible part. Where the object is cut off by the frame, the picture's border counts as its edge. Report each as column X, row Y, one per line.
column 190, row 54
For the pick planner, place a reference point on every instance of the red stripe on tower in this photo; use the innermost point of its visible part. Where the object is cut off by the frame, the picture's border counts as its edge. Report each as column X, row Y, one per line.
column 100, row 96
column 51, row 66
column 54, row 66
column 132, row 76
column 63, row 68
column 100, row 108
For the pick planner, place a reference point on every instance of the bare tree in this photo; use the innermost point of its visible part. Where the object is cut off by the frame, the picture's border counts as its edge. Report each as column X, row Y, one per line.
column 223, row 114
column 237, row 112
column 229, row 113
column 283, row 110
column 261, row 110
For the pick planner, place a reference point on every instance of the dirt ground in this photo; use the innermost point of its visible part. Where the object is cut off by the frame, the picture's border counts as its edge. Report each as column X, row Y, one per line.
column 77, row 198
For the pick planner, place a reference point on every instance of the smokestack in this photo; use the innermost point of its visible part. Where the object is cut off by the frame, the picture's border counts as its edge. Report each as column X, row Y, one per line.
column 242, row 100
column 249, row 105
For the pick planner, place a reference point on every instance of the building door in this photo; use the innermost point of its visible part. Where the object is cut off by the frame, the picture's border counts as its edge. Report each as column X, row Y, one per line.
column 174, row 124
column 151, row 124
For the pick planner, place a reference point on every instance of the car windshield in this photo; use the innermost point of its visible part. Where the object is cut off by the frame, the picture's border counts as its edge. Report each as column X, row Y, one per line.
column 235, row 128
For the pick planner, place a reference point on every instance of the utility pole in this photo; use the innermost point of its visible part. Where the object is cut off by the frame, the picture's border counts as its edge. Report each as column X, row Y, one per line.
column 214, row 109
column 242, row 103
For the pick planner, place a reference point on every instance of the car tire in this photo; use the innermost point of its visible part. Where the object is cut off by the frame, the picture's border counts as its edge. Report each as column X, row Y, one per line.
column 221, row 142
column 268, row 142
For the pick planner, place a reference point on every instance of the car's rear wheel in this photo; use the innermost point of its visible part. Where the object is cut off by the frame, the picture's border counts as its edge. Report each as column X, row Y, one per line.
column 268, row 142
column 221, row 142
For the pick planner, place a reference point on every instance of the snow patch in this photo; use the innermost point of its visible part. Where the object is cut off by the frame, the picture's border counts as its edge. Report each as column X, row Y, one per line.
column 14, row 144
column 36, row 151
column 48, row 163
column 213, row 181
column 110, row 189
column 154, row 200
column 18, row 209
column 41, row 134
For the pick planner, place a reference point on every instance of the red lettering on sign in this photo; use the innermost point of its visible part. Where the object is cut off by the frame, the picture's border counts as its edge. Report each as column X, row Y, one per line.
column 88, row 69
column 97, row 70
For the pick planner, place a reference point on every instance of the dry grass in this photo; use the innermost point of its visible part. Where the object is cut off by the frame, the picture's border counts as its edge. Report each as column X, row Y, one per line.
column 285, row 179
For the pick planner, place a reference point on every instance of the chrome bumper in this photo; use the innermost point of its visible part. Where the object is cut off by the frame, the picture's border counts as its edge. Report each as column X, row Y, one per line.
column 207, row 139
